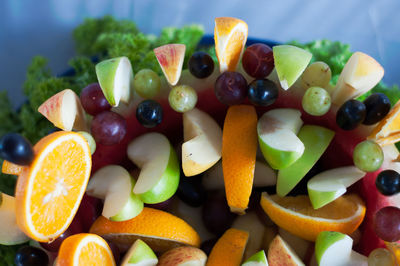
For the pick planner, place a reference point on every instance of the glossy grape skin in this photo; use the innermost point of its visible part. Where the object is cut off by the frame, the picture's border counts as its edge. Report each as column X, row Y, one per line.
column 387, row 223
column 258, row 60
column 74, row 228
column 93, row 100
column 108, row 128
column 16, row 148
column 381, row 257
column 377, row 106
column 231, row 88
column 316, row 101
column 262, row 92
column 182, row 98
column 31, row 256
column 201, row 65
column 147, row 83
column 316, row 74
column 191, row 191
column 368, row 156
column 350, row 115
column 388, row 182
column 89, row 138
column 149, row 113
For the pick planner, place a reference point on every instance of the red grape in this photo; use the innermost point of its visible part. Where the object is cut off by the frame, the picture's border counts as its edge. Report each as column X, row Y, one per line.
column 258, row 60
column 387, row 223
column 231, row 88
column 93, row 100
column 108, row 128
column 115, row 251
column 89, row 210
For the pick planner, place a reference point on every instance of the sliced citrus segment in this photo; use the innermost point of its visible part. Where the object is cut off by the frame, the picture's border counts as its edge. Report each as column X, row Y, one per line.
column 239, row 148
column 388, row 130
column 343, row 215
column 49, row 191
column 84, row 249
column 170, row 57
column 160, row 230
column 11, row 168
column 229, row 248
column 230, row 35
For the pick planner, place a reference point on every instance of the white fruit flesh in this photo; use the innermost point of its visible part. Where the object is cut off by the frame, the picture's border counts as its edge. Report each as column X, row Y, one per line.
column 123, row 81
column 333, row 249
column 280, row 253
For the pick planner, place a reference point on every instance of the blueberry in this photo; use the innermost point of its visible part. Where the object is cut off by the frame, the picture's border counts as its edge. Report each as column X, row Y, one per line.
column 388, row 182
column 149, row 113
column 31, row 256
column 351, row 114
column 378, row 106
column 191, row 191
column 201, row 65
column 16, row 149
column 262, row 92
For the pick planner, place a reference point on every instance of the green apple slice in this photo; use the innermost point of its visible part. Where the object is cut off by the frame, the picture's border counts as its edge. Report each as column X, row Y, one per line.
column 279, row 143
column 316, row 140
column 140, row 254
column 159, row 173
column 330, row 185
column 115, row 76
column 333, row 249
column 114, row 184
column 258, row 259
column 290, row 62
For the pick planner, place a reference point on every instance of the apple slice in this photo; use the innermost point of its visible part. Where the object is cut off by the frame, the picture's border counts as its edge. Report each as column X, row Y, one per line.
column 258, row 259
column 115, row 76
column 277, row 131
column 10, row 234
column 333, row 249
column 316, row 140
column 331, row 184
column 183, row 256
column 170, row 57
column 140, row 254
column 65, row 111
column 299, row 245
column 203, row 142
column 114, row 184
column 159, row 168
column 360, row 74
column 290, row 62
column 357, row 259
column 280, row 253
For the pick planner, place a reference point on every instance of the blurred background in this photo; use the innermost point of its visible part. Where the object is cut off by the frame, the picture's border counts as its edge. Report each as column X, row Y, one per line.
column 32, row 27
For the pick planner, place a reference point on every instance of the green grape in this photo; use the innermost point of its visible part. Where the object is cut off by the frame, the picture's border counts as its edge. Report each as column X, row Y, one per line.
column 317, row 74
column 147, row 83
column 89, row 138
column 381, row 257
column 368, row 156
column 182, row 98
column 316, row 101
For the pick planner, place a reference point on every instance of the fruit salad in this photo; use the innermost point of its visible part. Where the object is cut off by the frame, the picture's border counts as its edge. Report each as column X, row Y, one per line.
column 259, row 158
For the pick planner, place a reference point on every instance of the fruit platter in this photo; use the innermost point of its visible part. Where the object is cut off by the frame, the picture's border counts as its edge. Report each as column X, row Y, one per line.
column 160, row 151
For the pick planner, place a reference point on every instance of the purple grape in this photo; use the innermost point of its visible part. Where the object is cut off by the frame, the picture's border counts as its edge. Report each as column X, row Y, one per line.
column 115, row 251
column 258, row 60
column 108, row 128
column 387, row 223
column 231, row 88
column 93, row 100
column 164, row 206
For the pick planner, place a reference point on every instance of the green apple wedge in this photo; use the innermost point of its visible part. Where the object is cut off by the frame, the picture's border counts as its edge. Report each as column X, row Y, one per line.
column 159, row 174
column 279, row 143
column 316, row 139
column 329, row 185
column 333, row 249
column 140, row 254
column 114, row 185
column 290, row 62
column 258, row 259
column 115, row 77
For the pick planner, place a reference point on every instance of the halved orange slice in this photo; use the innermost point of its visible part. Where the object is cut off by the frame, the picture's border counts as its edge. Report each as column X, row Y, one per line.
column 11, row 168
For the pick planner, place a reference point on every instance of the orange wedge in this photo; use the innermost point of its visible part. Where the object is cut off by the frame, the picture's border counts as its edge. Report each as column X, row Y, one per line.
column 230, row 35
column 239, row 148
column 170, row 57
column 229, row 248
column 84, row 249
column 297, row 216
column 395, row 249
column 49, row 191
column 160, row 230
column 388, row 130
column 10, row 168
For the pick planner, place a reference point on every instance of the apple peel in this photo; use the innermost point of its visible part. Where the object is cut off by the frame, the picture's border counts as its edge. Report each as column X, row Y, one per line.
column 170, row 57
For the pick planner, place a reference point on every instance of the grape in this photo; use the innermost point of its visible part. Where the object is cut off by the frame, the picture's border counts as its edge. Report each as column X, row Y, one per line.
column 316, row 74
column 381, row 257
column 262, row 92
column 191, row 191
column 32, row 256
column 115, row 251
column 164, row 206
column 201, row 65
column 388, row 182
column 387, row 223
column 89, row 138
column 16, row 148
column 378, row 106
column 208, row 245
column 89, row 210
column 182, row 98
column 93, row 100
column 316, row 101
column 258, row 60
column 350, row 114
column 231, row 88
column 147, row 83
column 108, row 128
column 368, row 156
column 149, row 113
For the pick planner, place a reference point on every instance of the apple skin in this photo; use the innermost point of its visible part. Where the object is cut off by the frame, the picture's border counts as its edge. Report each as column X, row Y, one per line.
column 139, row 252
column 326, row 241
column 280, row 253
column 258, row 259
column 170, row 57
column 181, row 256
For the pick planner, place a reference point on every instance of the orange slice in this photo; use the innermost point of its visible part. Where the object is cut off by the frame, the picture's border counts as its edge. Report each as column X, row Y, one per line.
column 229, row 248
column 388, row 130
column 10, row 168
column 239, row 148
column 297, row 216
column 49, row 191
column 160, row 230
column 395, row 249
column 84, row 249
column 230, row 35
column 170, row 57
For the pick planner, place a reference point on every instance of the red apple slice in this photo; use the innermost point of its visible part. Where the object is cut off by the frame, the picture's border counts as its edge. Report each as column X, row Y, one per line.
column 170, row 57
